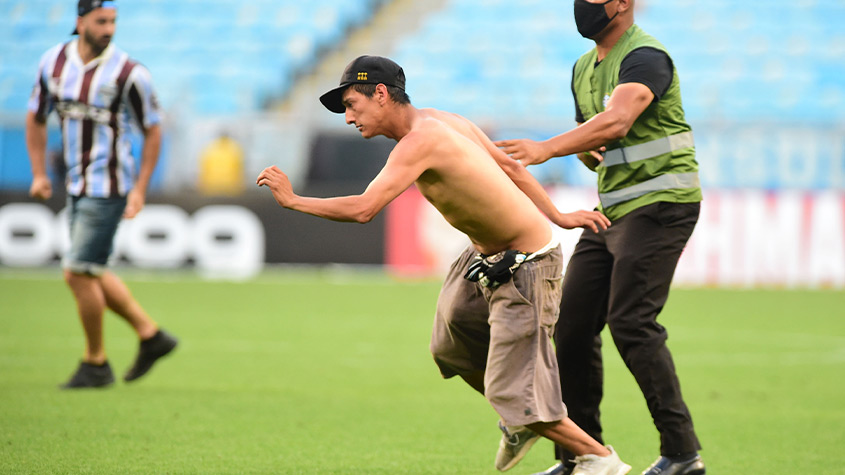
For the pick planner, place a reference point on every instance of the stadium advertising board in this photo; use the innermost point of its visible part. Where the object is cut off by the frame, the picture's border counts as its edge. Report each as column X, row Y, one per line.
column 223, row 241
column 224, row 237
column 743, row 238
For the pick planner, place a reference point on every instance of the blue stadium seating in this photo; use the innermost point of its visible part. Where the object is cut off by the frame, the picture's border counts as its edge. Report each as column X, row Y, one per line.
column 736, row 61
column 209, row 56
column 481, row 58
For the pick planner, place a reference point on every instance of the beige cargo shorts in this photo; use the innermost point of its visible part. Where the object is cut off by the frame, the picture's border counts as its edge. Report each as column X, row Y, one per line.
column 505, row 332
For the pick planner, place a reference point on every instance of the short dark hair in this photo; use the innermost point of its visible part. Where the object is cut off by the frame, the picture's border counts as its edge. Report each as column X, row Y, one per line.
column 396, row 94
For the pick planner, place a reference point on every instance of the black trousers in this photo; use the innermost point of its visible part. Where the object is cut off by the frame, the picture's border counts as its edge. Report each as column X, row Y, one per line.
column 621, row 277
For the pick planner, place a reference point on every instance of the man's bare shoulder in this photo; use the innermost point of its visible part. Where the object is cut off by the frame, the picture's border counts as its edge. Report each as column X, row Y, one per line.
column 419, row 141
column 449, row 118
column 427, row 131
column 456, row 122
column 429, row 137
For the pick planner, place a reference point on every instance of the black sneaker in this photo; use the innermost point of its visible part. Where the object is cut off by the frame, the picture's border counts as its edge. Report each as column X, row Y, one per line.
column 150, row 351
column 666, row 466
column 90, row 376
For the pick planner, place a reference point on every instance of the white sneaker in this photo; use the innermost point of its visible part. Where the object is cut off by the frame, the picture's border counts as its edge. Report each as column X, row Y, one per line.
column 514, row 445
column 594, row 465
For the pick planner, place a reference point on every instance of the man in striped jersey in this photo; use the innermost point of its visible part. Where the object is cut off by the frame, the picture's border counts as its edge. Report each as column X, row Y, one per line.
column 98, row 92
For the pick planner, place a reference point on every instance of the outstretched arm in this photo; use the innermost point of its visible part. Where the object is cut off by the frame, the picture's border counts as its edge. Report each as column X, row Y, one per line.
column 626, row 103
column 359, row 208
column 398, row 174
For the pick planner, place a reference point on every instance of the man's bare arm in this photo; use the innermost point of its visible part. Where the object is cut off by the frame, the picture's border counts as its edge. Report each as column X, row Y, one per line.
column 399, row 172
column 36, row 145
column 625, row 105
column 592, row 158
column 149, row 158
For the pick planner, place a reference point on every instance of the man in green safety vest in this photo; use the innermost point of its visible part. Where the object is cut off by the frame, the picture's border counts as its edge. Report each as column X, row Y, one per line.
column 633, row 134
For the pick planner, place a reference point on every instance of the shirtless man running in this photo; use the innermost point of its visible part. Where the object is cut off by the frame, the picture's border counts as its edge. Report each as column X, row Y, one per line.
column 498, row 304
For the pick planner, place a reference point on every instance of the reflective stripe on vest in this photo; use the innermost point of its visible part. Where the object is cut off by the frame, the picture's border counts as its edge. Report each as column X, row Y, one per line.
column 669, row 181
column 647, row 150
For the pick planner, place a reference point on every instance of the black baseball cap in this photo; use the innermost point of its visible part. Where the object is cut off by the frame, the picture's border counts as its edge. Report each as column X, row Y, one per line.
column 364, row 70
column 85, row 7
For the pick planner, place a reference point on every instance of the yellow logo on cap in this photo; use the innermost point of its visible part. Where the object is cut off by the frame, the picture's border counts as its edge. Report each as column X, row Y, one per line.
column 362, row 76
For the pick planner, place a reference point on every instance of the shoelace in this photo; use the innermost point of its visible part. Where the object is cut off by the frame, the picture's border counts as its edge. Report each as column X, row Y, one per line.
column 512, row 439
column 586, row 462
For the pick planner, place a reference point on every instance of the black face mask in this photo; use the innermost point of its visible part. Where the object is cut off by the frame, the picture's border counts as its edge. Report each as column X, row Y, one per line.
column 590, row 18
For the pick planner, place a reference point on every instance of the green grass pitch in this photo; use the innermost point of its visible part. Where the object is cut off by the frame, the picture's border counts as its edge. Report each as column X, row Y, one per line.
column 325, row 372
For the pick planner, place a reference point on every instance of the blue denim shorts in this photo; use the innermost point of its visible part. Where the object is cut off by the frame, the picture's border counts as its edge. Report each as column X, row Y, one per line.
column 93, row 225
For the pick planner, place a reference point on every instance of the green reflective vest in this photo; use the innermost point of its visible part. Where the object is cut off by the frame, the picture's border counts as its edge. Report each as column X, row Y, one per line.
column 656, row 160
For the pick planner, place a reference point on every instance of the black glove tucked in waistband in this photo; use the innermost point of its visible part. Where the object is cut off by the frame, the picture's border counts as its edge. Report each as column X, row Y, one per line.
column 496, row 269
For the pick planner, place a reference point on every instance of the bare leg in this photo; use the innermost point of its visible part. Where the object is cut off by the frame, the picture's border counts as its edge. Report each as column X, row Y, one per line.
column 564, row 433
column 569, row 436
column 119, row 299
column 90, row 304
column 154, row 344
